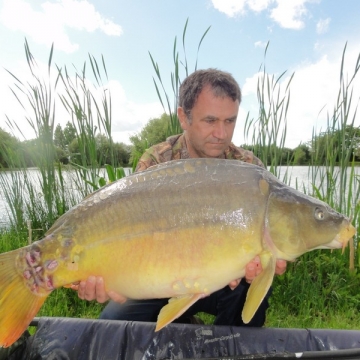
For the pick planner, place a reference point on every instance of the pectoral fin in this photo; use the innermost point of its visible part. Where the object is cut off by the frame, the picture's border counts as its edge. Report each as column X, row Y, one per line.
column 175, row 308
column 260, row 286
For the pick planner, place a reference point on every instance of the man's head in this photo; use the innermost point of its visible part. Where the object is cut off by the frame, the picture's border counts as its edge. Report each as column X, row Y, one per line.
column 221, row 83
column 208, row 106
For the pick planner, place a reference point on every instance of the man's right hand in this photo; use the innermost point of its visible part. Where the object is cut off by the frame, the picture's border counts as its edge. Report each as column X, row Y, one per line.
column 94, row 289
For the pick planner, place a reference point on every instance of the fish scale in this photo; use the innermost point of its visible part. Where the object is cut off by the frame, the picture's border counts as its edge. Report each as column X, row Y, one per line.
column 179, row 230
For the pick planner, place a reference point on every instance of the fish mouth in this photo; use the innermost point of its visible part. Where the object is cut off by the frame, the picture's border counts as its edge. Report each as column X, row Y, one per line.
column 342, row 238
column 336, row 243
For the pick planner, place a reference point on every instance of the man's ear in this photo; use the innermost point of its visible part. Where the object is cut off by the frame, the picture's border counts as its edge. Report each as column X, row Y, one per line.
column 182, row 118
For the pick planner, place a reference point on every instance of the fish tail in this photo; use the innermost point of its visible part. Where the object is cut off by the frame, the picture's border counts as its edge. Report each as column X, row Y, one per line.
column 18, row 302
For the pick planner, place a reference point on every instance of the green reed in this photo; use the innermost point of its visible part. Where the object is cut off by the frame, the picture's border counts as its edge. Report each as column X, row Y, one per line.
column 41, row 200
column 181, row 66
column 314, row 289
column 90, row 115
column 38, row 95
column 319, row 283
column 267, row 132
column 332, row 172
column 89, row 109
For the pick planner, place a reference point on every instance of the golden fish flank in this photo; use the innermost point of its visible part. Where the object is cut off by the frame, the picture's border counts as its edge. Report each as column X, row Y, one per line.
column 182, row 230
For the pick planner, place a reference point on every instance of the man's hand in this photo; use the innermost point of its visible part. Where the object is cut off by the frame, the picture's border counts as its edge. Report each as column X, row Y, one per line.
column 94, row 289
column 254, row 268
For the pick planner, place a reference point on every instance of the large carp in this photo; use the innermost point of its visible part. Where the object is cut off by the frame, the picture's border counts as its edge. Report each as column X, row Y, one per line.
column 179, row 230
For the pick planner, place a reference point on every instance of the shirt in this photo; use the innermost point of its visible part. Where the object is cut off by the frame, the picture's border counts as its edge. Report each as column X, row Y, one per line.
column 174, row 148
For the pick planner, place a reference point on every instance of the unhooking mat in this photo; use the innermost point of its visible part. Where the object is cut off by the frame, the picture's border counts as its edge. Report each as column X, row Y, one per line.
column 81, row 339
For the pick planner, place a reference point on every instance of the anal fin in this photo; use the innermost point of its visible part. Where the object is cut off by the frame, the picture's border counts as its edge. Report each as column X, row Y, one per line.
column 176, row 307
column 259, row 286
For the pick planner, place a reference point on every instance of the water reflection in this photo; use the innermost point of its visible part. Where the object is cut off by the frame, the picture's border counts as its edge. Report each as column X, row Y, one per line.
column 72, row 187
column 298, row 177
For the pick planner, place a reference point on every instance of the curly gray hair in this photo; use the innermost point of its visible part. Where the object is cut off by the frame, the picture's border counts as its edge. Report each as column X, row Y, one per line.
column 222, row 83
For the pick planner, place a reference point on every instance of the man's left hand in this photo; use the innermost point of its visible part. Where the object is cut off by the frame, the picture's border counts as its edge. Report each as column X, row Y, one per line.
column 254, row 268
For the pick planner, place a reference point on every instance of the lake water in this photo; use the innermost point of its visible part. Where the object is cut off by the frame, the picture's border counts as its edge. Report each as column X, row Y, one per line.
column 297, row 177
column 70, row 184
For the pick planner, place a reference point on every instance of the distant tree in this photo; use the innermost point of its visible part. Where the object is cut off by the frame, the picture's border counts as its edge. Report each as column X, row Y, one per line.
column 61, row 155
column 30, row 151
column 301, row 155
column 287, row 155
column 154, row 132
column 74, row 151
column 283, row 156
column 335, row 144
column 69, row 133
column 122, row 153
column 103, row 149
column 59, row 138
column 9, row 146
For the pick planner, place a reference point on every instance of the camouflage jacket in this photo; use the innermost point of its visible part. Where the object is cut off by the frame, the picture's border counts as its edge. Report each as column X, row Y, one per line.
column 174, row 148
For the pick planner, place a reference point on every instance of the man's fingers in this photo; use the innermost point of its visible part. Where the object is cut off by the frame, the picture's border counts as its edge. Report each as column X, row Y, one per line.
column 101, row 295
column 234, row 284
column 94, row 289
column 253, row 268
column 81, row 289
column 116, row 297
column 280, row 267
column 87, row 289
column 74, row 286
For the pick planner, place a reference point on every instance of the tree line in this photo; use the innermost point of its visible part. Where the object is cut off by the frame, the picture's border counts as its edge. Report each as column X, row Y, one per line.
column 14, row 152
column 66, row 143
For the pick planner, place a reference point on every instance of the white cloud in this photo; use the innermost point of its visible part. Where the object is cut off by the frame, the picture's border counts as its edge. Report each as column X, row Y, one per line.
column 10, row 106
column 128, row 117
column 238, row 7
column 50, row 23
column 80, row 15
column 259, row 5
column 229, row 7
column 323, row 26
column 287, row 13
column 260, row 44
column 314, row 91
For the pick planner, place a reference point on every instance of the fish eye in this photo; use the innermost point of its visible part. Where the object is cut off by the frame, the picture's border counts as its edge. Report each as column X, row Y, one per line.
column 319, row 214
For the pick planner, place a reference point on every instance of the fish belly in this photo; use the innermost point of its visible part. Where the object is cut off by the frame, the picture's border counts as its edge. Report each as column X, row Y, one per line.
column 167, row 232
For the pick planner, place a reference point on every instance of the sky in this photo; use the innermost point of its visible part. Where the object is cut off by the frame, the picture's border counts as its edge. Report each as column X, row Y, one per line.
column 305, row 38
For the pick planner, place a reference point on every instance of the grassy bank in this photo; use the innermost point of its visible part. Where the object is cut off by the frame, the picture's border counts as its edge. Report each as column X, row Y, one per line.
column 318, row 290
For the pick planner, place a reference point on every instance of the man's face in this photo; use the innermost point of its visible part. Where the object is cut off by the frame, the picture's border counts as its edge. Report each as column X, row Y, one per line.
column 212, row 126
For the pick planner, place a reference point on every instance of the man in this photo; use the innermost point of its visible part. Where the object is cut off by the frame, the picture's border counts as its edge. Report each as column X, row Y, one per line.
column 208, row 108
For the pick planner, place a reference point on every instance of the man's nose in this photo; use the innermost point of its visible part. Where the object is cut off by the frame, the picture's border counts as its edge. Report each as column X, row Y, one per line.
column 219, row 130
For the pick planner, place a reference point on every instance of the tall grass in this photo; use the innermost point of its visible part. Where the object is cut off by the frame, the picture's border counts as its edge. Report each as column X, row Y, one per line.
column 319, row 286
column 89, row 116
column 43, row 199
column 38, row 95
column 338, row 147
column 314, row 286
column 181, row 69
column 317, row 291
column 267, row 132
column 169, row 99
column 332, row 181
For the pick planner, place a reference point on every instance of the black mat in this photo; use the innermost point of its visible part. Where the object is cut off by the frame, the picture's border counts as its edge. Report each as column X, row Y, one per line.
column 80, row 339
